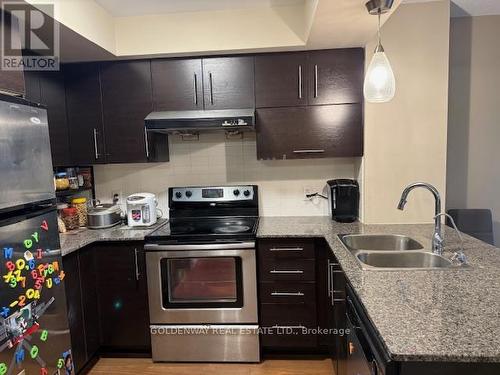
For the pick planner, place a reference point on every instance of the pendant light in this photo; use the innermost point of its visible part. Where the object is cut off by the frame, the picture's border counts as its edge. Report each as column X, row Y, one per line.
column 380, row 84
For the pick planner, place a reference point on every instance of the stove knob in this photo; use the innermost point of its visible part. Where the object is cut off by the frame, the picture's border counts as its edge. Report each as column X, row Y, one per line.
column 236, row 192
column 178, row 194
column 189, row 194
column 246, row 193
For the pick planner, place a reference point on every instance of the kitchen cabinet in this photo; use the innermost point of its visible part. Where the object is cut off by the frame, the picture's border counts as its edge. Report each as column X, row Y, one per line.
column 287, row 293
column 228, row 82
column 126, row 100
column 53, row 96
column 310, row 132
column 122, row 296
column 84, row 109
column 11, row 81
column 281, row 80
column 177, row 84
column 48, row 89
column 336, row 76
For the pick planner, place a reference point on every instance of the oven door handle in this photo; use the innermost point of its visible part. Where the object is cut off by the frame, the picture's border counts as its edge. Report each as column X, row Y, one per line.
column 218, row 246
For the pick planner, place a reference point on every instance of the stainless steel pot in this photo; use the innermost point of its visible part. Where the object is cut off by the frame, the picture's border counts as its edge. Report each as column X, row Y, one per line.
column 104, row 216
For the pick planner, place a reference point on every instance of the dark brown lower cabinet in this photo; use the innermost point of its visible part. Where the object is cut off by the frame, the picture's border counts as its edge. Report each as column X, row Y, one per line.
column 107, row 301
column 310, row 132
column 123, row 299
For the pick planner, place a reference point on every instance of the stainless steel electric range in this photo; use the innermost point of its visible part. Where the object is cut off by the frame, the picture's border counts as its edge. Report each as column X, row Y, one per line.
column 202, row 276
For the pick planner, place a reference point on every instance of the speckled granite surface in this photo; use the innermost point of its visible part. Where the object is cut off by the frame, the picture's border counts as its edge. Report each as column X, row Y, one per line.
column 77, row 239
column 437, row 315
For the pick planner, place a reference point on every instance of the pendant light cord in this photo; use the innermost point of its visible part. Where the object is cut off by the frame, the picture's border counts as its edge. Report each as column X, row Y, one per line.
column 378, row 29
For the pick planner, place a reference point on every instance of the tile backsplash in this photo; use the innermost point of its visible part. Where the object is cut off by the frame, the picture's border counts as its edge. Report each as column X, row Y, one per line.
column 214, row 160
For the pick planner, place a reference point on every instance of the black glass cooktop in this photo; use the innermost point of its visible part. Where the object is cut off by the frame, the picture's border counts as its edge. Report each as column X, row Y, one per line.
column 206, row 229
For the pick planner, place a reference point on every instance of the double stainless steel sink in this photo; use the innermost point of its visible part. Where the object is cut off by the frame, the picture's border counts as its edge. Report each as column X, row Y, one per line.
column 392, row 252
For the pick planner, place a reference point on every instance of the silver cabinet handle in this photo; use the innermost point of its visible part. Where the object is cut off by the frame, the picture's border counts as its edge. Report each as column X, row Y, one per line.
column 287, row 294
column 136, row 259
column 329, row 277
column 284, row 272
column 311, row 151
column 286, row 249
column 210, row 79
column 146, row 140
column 315, row 81
column 195, row 89
column 300, row 81
column 96, row 151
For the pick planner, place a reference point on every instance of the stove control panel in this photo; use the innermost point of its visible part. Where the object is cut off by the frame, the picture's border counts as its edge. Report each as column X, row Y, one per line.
column 213, row 193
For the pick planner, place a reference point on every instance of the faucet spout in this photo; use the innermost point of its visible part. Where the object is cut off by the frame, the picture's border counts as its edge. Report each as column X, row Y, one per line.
column 437, row 240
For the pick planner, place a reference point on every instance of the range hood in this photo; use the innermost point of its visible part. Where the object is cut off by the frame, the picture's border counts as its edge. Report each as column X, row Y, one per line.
column 193, row 122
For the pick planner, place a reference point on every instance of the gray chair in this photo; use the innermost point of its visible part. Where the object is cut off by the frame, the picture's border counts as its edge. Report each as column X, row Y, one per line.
column 475, row 222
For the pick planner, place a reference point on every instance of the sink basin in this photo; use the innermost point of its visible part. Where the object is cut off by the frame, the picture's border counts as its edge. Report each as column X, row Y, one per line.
column 402, row 260
column 379, row 242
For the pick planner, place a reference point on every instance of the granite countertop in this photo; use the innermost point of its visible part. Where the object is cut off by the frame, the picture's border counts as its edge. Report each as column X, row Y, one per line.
column 448, row 315
column 79, row 238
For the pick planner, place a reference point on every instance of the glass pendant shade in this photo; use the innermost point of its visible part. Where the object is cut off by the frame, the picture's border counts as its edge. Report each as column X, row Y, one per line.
column 380, row 84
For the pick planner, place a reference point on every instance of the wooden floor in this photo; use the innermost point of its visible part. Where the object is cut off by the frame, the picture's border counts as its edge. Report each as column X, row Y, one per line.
column 112, row 366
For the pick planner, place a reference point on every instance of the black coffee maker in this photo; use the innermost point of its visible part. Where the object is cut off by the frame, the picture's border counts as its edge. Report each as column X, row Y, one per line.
column 343, row 196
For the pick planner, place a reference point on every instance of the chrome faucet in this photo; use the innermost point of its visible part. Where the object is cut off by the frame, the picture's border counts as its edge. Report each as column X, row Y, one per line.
column 437, row 239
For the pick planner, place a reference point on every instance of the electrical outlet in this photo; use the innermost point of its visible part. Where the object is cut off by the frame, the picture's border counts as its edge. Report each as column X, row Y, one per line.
column 117, row 195
column 308, row 190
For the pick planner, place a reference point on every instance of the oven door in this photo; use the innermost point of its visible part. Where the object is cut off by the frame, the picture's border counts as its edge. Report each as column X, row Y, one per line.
column 202, row 284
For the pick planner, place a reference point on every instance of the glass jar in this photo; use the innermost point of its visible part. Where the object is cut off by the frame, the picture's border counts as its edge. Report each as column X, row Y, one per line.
column 81, row 206
column 70, row 218
column 62, row 182
column 72, row 178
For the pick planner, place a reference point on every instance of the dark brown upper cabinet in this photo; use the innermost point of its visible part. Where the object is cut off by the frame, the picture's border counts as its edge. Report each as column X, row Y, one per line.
column 281, row 80
column 177, row 84
column 336, row 76
column 228, row 82
column 126, row 100
column 84, row 109
column 52, row 95
column 11, row 81
column 310, row 132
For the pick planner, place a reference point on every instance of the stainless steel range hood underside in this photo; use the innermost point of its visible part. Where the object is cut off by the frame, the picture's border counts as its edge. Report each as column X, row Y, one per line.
column 192, row 122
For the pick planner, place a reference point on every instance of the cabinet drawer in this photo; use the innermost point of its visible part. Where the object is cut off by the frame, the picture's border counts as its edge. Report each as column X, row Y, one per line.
column 287, row 337
column 286, row 269
column 286, row 249
column 288, row 292
column 287, row 314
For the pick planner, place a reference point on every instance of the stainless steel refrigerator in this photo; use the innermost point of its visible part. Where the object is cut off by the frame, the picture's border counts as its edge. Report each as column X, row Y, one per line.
column 34, row 333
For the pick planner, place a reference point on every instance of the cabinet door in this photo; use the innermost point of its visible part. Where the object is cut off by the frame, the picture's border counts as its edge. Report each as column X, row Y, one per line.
column 126, row 100
column 84, row 108
column 11, row 81
column 280, row 80
column 228, row 82
column 336, row 76
column 123, row 302
column 89, row 300
column 177, row 84
column 75, row 309
column 310, row 132
column 52, row 94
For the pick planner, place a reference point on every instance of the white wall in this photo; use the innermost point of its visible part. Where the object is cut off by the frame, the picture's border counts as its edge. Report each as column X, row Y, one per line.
column 405, row 139
column 214, row 160
column 474, row 116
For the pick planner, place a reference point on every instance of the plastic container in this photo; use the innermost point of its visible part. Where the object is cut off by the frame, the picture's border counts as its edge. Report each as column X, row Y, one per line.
column 70, row 218
column 81, row 206
column 62, row 181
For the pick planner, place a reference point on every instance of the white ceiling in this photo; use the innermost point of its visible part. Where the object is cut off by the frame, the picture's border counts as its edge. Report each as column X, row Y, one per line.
column 124, row 8
column 464, row 8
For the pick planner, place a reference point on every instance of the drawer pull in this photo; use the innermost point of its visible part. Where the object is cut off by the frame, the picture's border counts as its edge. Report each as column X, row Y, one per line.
column 287, row 294
column 286, row 249
column 312, row 151
column 291, row 327
column 283, row 272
